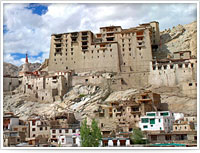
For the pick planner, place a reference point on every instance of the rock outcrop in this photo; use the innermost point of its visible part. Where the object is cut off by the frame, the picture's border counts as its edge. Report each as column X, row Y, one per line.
column 179, row 38
column 10, row 69
column 84, row 100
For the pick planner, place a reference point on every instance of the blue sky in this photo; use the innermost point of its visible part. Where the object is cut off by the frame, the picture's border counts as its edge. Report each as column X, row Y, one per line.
column 28, row 27
column 38, row 9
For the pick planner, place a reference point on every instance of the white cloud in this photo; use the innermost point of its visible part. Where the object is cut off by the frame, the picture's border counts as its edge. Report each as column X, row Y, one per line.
column 31, row 32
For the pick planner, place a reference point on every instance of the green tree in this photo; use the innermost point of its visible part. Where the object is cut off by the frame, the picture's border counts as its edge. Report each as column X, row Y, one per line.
column 90, row 135
column 137, row 137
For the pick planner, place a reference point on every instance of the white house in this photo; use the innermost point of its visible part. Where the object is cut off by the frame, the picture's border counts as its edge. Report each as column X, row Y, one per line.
column 157, row 121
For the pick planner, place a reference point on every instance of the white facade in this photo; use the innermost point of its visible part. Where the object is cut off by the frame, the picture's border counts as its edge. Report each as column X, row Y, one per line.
column 178, row 116
column 157, row 121
column 56, row 133
column 13, row 121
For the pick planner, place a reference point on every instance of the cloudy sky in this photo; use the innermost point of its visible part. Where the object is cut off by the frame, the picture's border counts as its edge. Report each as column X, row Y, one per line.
column 28, row 27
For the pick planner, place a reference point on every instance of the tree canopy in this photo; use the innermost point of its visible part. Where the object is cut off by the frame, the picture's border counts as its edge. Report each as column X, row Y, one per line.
column 90, row 135
column 137, row 136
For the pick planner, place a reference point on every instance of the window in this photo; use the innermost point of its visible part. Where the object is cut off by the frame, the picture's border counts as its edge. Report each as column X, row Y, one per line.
column 129, row 49
column 53, row 131
column 152, row 121
column 145, row 120
column 66, row 131
column 145, row 126
column 154, row 137
column 111, row 50
column 45, row 128
column 73, row 131
column 159, row 120
column 180, row 65
column 41, row 128
column 151, row 114
column 190, row 84
column 164, row 114
column 101, row 124
column 33, row 129
column 60, row 131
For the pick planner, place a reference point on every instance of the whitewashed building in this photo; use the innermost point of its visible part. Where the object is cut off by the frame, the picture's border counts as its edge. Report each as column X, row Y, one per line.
column 157, row 121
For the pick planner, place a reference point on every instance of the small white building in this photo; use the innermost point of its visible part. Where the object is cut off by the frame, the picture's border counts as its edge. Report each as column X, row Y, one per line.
column 58, row 134
column 157, row 121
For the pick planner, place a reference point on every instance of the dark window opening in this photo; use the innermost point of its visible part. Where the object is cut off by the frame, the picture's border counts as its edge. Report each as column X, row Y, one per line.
column 84, row 43
column 190, row 84
column 84, row 47
column 84, row 33
column 110, row 39
column 180, row 65
column 58, row 45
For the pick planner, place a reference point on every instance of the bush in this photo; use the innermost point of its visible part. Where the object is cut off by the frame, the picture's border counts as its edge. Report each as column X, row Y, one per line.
column 81, row 95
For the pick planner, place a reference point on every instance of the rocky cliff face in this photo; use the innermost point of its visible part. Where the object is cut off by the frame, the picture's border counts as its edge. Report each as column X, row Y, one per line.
column 84, row 100
column 179, row 38
column 12, row 70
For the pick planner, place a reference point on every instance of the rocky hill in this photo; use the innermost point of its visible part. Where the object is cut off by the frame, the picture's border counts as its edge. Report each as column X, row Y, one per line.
column 84, row 100
column 179, row 38
column 12, row 70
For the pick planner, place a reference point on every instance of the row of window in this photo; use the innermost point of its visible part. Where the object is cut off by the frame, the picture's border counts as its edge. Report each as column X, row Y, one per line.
column 172, row 66
column 66, row 131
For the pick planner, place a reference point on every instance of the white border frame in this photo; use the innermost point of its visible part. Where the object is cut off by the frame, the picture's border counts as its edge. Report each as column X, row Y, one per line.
column 99, row 148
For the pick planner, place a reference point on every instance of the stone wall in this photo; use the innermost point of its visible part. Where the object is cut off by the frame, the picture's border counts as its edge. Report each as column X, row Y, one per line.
column 172, row 74
column 10, row 84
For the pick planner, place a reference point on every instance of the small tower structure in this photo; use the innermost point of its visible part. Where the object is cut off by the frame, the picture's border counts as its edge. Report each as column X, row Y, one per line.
column 25, row 68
